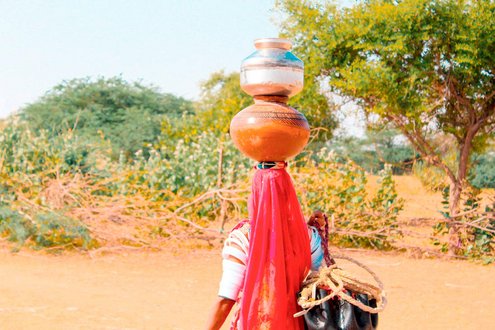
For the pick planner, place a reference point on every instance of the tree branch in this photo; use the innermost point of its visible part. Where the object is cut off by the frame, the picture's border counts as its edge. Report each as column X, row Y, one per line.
column 474, row 226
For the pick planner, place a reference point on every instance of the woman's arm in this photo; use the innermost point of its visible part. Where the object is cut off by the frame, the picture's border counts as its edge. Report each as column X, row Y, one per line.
column 219, row 312
column 234, row 255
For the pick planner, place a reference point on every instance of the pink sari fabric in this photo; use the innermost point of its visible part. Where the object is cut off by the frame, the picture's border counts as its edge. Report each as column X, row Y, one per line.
column 279, row 254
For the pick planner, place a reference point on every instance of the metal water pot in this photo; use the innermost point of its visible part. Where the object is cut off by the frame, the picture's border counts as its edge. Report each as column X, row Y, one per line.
column 272, row 69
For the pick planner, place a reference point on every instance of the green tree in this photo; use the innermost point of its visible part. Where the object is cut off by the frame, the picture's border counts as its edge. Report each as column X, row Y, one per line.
column 423, row 65
column 128, row 114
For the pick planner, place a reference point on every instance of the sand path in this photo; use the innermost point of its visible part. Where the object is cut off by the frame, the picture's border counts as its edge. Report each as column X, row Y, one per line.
column 166, row 291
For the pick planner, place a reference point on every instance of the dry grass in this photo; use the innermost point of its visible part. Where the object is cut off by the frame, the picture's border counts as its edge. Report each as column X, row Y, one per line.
column 136, row 221
column 131, row 221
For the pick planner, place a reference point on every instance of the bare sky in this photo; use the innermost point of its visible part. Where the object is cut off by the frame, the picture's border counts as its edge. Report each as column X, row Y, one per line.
column 172, row 44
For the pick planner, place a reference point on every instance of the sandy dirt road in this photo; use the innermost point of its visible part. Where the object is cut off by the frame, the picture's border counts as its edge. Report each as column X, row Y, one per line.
column 169, row 291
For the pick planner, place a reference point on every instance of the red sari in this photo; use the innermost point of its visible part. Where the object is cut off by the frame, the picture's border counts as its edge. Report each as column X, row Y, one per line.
column 279, row 255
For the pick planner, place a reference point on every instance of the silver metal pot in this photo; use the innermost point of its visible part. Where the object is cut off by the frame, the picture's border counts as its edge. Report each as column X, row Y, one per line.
column 272, row 69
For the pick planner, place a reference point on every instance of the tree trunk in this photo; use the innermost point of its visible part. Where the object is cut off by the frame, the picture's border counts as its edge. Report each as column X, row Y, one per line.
column 457, row 185
column 454, row 205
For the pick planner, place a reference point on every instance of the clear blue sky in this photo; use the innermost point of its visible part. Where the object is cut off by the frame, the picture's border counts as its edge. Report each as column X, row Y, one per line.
column 172, row 44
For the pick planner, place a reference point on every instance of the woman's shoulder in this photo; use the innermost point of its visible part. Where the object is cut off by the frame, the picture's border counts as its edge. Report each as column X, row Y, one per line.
column 243, row 227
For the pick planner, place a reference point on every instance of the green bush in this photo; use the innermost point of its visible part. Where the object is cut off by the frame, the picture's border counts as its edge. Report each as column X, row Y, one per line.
column 483, row 170
column 53, row 230
column 14, row 226
column 29, row 161
column 360, row 219
column 191, row 167
column 127, row 114
column 477, row 227
column 45, row 230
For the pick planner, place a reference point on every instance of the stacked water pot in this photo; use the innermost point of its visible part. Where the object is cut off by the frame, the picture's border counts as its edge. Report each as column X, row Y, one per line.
column 270, row 130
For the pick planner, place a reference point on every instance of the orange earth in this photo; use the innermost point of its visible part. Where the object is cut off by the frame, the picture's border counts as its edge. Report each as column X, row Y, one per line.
column 173, row 289
column 162, row 290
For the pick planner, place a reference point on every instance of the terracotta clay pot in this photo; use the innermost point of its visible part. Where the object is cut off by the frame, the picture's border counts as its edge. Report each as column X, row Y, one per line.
column 270, row 130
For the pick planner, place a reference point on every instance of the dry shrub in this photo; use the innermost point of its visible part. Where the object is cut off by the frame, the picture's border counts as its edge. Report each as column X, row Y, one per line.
column 87, row 199
column 358, row 218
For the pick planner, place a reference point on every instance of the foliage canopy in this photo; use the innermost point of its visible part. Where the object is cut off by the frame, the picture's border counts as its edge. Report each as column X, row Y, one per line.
column 416, row 62
column 425, row 66
column 128, row 114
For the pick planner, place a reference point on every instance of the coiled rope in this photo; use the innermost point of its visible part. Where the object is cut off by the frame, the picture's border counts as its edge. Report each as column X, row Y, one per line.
column 336, row 281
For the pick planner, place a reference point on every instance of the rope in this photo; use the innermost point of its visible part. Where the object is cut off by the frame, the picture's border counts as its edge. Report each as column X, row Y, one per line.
column 336, row 281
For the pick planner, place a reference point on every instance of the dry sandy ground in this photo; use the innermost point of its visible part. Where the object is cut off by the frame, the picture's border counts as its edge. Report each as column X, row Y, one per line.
column 169, row 291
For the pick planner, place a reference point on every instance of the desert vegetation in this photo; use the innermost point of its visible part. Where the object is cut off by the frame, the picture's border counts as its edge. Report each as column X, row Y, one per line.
column 422, row 67
column 64, row 187
column 103, row 162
